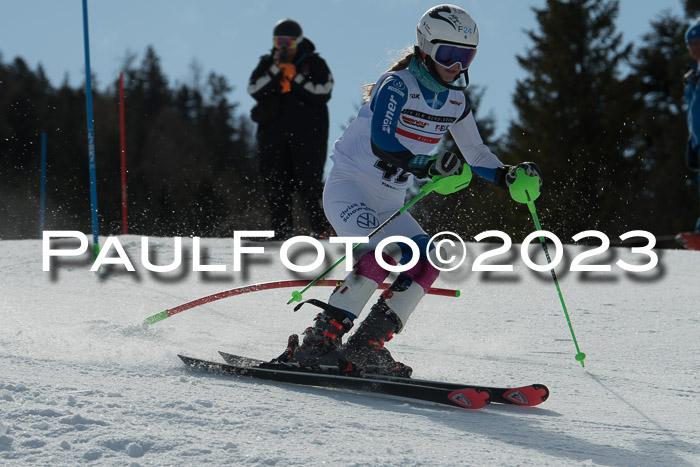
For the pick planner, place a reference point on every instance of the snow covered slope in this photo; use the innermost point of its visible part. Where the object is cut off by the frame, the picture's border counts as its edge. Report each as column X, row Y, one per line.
column 81, row 381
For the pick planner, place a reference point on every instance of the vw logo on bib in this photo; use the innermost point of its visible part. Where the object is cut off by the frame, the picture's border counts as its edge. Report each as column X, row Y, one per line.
column 366, row 220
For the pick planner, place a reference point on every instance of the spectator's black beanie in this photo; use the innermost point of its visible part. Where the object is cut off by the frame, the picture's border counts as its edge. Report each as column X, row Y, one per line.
column 288, row 28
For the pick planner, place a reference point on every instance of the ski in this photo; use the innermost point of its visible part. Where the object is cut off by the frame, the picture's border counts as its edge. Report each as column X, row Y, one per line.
column 468, row 398
column 689, row 240
column 531, row 395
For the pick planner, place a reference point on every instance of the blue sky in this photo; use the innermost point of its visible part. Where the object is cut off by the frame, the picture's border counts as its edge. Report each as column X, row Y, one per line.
column 358, row 39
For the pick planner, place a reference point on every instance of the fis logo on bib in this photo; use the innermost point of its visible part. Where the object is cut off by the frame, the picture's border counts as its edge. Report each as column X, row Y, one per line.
column 398, row 84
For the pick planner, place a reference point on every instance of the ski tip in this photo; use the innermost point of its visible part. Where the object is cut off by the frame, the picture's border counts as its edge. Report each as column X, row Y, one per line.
column 198, row 364
column 689, row 240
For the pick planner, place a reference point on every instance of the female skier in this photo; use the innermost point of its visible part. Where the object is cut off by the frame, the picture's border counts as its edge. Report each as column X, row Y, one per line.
column 407, row 111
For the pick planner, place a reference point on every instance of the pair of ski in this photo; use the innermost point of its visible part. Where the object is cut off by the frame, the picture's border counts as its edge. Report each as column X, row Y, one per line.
column 689, row 240
column 452, row 394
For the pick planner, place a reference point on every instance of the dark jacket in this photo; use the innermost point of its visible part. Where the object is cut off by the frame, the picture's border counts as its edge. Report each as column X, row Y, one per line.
column 692, row 97
column 304, row 106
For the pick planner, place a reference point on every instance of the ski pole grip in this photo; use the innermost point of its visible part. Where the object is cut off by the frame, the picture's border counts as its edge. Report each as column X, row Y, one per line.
column 525, row 188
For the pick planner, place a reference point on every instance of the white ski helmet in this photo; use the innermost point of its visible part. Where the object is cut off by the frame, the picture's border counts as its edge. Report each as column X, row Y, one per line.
column 452, row 26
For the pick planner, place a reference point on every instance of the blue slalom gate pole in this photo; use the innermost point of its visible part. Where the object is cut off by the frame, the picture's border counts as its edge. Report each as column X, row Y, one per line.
column 42, row 195
column 90, row 133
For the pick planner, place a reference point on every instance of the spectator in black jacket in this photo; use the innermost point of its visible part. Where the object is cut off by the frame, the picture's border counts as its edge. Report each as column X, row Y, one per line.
column 292, row 85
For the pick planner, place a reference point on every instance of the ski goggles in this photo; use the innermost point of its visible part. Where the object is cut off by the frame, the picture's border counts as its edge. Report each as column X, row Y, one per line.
column 284, row 42
column 447, row 55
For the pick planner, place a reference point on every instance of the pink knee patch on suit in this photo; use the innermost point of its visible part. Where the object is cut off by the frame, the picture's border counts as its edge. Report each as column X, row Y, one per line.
column 423, row 274
column 368, row 267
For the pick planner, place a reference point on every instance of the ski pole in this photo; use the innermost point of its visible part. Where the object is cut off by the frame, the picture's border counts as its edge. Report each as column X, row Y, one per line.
column 442, row 185
column 520, row 191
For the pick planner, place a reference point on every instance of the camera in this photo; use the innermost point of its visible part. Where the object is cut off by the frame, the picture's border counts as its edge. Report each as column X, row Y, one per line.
column 284, row 55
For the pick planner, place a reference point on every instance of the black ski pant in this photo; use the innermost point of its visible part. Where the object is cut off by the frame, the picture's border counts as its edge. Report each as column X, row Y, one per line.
column 291, row 163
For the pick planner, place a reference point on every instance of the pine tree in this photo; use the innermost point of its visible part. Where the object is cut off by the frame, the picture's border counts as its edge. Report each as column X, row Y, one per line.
column 574, row 117
column 188, row 154
column 692, row 7
column 668, row 195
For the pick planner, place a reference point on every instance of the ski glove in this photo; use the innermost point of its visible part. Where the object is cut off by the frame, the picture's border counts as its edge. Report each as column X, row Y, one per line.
column 289, row 71
column 444, row 164
column 506, row 175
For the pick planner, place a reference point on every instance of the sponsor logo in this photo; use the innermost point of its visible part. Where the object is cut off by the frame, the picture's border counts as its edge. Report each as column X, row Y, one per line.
column 455, row 21
column 414, row 96
column 517, row 397
column 389, row 115
column 413, row 122
column 429, row 117
column 417, row 137
column 460, row 399
column 398, row 84
column 452, row 101
column 444, row 13
column 396, row 90
column 367, row 220
column 353, row 209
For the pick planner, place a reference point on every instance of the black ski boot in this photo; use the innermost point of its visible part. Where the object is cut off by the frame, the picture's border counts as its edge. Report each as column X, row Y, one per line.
column 366, row 347
column 320, row 349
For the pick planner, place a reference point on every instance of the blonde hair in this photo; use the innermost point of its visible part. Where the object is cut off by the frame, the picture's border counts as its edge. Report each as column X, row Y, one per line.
column 400, row 64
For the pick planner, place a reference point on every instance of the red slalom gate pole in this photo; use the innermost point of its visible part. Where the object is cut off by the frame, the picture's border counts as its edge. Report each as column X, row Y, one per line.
column 267, row 286
column 122, row 139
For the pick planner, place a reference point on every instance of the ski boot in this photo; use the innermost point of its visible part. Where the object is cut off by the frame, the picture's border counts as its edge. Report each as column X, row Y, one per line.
column 320, row 348
column 366, row 347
